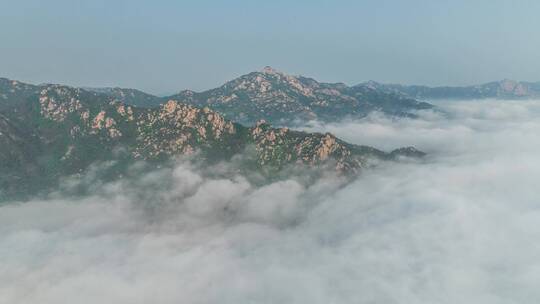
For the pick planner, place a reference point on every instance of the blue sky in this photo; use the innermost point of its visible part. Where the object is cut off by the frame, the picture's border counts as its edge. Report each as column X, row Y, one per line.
column 166, row 46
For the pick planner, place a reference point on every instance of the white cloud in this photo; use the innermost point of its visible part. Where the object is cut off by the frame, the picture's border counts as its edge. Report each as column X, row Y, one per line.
column 461, row 227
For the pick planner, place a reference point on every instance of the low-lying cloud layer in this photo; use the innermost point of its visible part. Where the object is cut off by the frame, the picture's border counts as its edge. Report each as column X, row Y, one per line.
column 460, row 227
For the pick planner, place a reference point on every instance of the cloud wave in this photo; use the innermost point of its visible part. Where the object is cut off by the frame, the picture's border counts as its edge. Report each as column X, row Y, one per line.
column 460, row 227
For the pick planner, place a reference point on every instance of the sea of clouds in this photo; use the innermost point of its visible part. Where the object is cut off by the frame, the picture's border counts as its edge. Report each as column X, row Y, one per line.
column 460, row 226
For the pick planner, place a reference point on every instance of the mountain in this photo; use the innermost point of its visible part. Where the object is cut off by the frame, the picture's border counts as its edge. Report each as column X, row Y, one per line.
column 283, row 99
column 12, row 91
column 130, row 96
column 51, row 131
column 504, row 89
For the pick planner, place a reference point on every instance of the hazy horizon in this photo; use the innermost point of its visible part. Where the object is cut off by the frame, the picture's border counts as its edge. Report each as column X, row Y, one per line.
column 165, row 47
column 165, row 94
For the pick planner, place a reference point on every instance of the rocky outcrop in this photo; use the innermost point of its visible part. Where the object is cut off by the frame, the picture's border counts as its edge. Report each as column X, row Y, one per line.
column 179, row 128
column 282, row 145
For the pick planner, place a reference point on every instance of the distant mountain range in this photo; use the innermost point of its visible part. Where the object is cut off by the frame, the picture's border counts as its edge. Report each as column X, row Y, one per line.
column 504, row 89
column 282, row 99
column 51, row 131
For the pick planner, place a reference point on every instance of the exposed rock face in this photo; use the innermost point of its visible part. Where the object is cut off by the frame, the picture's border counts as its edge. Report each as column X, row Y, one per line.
column 326, row 146
column 281, row 146
column 58, row 102
column 179, row 128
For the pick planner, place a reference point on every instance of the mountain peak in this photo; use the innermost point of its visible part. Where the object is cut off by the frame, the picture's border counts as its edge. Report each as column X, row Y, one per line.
column 270, row 70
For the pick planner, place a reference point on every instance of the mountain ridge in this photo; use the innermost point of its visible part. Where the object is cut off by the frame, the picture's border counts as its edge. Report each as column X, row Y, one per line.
column 502, row 89
column 50, row 131
column 280, row 99
column 284, row 99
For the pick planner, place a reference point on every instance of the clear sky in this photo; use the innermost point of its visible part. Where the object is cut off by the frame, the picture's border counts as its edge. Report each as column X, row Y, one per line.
column 165, row 46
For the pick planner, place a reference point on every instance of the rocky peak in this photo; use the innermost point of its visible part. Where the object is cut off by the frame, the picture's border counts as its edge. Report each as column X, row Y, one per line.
column 57, row 102
column 371, row 84
column 260, row 122
column 327, row 145
column 271, row 78
column 508, row 86
column 260, row 127
column 269, row 70
column 410, row 152
column 267, row 85
column 187, row 93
